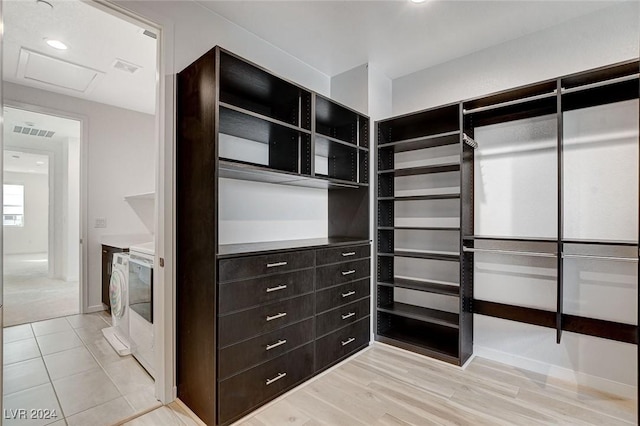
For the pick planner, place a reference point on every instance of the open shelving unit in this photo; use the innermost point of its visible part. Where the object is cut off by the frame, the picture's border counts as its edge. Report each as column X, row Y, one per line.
column 546, row 107
column 422, row 164
column 555, row 99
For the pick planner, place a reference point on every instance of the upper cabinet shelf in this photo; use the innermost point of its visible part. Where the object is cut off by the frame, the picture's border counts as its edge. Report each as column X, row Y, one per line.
column 517, row 104
column 339, row 122
column 425, row 129
column 268, row 125
column 423, row 142
column 251, row 88
column 600, row 86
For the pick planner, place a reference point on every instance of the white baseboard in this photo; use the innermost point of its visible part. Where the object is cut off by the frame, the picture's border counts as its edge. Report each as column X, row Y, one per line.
column 95, row 308
column 566, row 375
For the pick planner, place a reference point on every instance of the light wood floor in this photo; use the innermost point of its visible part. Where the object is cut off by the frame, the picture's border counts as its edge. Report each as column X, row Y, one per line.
column 386, row 386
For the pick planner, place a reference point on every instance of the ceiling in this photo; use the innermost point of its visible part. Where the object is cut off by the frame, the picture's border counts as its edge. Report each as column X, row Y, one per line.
column 22, row 162
column 398, row 37
column 95, row 40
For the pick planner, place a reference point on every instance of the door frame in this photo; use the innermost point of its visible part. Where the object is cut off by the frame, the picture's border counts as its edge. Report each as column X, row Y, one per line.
column 50, row 198
column 163, row 272
column 83, row 301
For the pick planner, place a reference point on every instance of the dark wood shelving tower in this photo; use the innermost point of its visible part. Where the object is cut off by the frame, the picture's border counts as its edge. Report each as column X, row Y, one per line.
column 441, row 334
column 239, row 121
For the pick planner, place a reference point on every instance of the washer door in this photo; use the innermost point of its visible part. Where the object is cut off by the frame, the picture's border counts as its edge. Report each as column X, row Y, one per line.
column 118, row 293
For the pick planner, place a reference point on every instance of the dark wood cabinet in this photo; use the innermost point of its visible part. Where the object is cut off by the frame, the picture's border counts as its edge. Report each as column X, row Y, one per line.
column 245, row 391
column 245, row 324
column 247, row 313
column 332, row 297
column 238, row 357
column 344, row 315
column 256, row 291
column 254, row 340
column 336, row 346
column 107, row 264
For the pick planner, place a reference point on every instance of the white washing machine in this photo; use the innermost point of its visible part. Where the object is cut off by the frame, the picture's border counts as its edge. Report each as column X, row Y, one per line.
column 118, row 334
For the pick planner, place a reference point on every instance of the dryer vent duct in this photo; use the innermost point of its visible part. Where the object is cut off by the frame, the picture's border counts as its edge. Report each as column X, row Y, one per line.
column 32, row 131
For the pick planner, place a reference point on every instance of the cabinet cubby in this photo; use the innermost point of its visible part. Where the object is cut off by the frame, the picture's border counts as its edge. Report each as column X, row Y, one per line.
column 341, row 123
column 251, row 88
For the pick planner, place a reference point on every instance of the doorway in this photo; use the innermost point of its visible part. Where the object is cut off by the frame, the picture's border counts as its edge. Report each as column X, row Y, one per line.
column 41, row 216
column 82, row 60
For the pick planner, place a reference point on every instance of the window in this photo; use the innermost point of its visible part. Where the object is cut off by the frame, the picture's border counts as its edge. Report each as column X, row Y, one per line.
column 13, row 208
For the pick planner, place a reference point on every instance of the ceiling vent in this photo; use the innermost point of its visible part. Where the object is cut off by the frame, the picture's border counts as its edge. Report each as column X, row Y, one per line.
column 125, row 66
column 150, row 34
column 32, row 131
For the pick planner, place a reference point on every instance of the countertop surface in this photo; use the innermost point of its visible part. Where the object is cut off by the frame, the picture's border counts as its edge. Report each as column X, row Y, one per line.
column 125, row 241
column 237, row 250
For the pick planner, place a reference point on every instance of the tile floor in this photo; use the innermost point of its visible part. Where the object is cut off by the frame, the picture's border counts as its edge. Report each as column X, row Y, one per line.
column 66, row 365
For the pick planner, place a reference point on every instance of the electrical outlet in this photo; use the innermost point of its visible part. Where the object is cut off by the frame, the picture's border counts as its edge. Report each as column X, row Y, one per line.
column 101, row 222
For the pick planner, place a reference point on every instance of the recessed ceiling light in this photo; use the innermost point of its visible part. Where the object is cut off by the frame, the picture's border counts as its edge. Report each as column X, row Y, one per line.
column 39, row 163
column 418, row 1
column 57, row 44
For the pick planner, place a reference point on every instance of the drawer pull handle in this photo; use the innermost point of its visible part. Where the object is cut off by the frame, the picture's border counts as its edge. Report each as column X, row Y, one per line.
column 349, row 315
column 349, row 293
column 280, row 287
column 273, row 265
column 350, row 253
column 275, row 345
column 275, row 379
column 276, row 316
column 353, row 271
column 349, row 340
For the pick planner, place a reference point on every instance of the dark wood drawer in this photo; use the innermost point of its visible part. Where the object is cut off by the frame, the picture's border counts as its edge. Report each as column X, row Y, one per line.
column 237, row 327
column 254, row 266
column 347, row 314
column 239, row 394
column 342, row 343
column 256, row 291
column 334, row 297
column 241, row 356
column 327, row 276
column 342, row 254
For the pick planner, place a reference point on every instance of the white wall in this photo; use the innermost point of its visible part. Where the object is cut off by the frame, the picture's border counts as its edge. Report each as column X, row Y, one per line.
column 33, row 237
column 120, row 161
column 607, row 36
column 352, row 88
column 506, row 186
column 196, row 30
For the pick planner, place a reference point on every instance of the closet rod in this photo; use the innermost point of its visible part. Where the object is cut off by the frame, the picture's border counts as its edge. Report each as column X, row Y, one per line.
column 592, row 256
column 469, row 141
column 601, row 83
column 515, row 253
column 509, row 103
